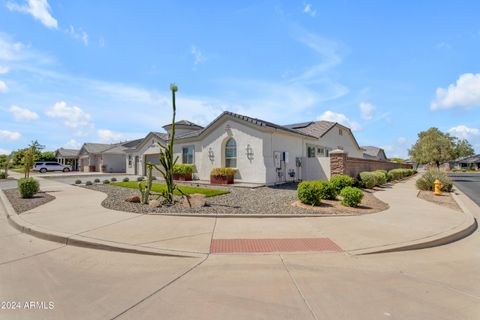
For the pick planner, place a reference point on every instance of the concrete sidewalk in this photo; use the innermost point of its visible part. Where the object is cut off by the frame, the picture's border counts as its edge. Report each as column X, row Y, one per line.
column 77, row 216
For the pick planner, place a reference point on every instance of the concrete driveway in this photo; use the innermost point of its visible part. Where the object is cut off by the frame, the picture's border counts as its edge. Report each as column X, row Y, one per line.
column 469, row 183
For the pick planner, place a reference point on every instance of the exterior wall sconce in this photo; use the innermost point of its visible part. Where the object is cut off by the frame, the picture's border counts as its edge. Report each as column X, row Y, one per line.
column 249, row 152
column 211, row 155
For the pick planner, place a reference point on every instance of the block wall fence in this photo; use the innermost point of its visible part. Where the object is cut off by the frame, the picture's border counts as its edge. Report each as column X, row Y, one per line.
column 341, row 163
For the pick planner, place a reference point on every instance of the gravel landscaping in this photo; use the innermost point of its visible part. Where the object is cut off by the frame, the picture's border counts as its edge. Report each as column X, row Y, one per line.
column 22, row 205
column 265, row 200
column 445, row 199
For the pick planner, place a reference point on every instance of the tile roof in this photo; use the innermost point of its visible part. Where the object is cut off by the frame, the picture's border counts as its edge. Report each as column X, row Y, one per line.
column 371, row 150
column 185, row 123
column 67, row 152
column 314, row 128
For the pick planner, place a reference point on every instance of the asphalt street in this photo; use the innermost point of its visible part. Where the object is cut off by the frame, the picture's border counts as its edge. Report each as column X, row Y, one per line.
column 469, row 183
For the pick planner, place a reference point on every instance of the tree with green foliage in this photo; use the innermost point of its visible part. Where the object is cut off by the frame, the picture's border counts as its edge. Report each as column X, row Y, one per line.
column 433, row 147
column 397, row 160
column 463, row 148
column 46, row 156
column 30, row 155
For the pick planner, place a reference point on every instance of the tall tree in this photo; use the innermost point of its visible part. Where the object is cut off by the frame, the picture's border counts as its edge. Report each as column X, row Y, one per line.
column 433, row 147
column 463, row 148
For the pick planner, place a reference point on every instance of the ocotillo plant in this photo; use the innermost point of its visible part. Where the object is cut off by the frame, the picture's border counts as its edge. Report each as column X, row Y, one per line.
column 167, row 161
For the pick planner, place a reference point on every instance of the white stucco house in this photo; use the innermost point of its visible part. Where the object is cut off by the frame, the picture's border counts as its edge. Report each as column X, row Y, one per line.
column 261, row 151
column 101, row 157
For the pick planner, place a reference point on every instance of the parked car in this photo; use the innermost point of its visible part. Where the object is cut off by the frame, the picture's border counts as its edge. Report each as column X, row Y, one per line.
column 51, row 166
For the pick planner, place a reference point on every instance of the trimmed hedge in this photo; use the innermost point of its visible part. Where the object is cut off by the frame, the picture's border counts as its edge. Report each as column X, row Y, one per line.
column 341, row 181
column 106, row 181
column 351, row 196
column 427, row 181
column 96, row 180
column 3, row 175
column 125, row 179
column 88, row 183
column 28, row 187
column 397, row 174
column 78, row 181
column 183, row 169
column 368, row 179
column 313, row 192
column 140, row 179
column 113, row 179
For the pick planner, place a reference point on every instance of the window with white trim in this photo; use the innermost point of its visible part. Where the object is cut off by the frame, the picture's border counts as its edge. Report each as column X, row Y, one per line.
column 188, row 154
column 231, row 153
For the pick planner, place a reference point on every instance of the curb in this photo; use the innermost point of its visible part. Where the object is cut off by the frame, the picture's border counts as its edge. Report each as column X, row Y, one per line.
column 80, row 241
column 463, row 230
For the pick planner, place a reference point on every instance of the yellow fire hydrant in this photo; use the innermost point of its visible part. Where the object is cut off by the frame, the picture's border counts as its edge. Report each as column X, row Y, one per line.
column 438, row 187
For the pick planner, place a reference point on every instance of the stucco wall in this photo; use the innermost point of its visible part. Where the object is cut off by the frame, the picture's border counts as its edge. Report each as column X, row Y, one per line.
column 334, row 140
column 317, row 168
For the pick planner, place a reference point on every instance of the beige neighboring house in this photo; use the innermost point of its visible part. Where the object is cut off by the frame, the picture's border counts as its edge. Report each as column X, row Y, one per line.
column 374, row 153
column 261, row 151
column 101, row 157
column 68, row 157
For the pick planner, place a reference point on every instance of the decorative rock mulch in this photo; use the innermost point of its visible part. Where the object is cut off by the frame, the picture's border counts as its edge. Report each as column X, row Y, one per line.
column 22, row 205
column 445, row 199
column 240, row 201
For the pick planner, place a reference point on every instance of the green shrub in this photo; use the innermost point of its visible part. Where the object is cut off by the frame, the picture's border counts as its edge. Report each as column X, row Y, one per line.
column 106, row 181
column 341, row 181
column 78, row 181
column 28, row 187
column 114, row 179
column 369, row 180
column 183, row 169
column 88, row 183
column 96, row 180
column 327, row 190
column 3, row 175
column 125, row 179
column 140, row 179
column 223, row 172
column 309, row 193
column 427, row 181
column 380, row 177
column 399, row 173
column 351, row 196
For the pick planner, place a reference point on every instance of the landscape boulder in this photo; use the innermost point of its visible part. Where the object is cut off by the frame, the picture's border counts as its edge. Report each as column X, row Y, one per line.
column 134, row 199
column 154, row 203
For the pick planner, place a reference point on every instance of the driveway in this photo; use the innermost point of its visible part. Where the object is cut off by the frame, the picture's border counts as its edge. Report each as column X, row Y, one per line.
column 469, row 183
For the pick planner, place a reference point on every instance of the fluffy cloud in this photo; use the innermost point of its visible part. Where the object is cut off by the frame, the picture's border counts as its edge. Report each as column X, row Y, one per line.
column 465, row 92
column 367, row 110
column 198, row 56
column 4, row 70
column 4, row 151
column 3, row 87
column 38, row 9
column 73, row 117
column 106, row 135
column 22, row 114
column 340, row 118
column 73, row 144
column 308, row 9
column 9, row 135
column 78, row 34
column 464, row 132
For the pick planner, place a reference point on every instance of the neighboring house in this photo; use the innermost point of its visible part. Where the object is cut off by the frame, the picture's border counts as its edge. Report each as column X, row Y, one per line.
column 101, row 157
column 261, row 151
column 67, row 156
column 471, row 162
column 374, row 153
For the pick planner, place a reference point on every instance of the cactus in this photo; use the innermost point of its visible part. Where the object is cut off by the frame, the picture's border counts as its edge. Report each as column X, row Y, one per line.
column 146, row 187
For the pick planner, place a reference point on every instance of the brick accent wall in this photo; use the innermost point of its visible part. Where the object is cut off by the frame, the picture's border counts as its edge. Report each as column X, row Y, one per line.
column 341, row 163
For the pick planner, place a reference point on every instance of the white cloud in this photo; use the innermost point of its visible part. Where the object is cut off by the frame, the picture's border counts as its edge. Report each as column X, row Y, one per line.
column 22, row 114
column 4, row 151
column 464, row 132
column 106, row 135
column 465, row 92
column 3, row 87
column 39, row 9
column 9, row 135
column 73, row 144
column 340, row 118
column 402, row 141
column 198, row 56
column 367, row 110
column 4, row 70
column 73, row 117
column 308, row 9
column 78, row 34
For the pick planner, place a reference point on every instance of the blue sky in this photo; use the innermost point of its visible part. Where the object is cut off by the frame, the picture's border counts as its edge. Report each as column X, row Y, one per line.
column 77, row 71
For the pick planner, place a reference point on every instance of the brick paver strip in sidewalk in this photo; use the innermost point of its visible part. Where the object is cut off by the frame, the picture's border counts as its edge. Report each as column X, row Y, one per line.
column 272, row 245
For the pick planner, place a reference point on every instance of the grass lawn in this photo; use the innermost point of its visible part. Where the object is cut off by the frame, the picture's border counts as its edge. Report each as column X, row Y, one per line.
column 157, row 187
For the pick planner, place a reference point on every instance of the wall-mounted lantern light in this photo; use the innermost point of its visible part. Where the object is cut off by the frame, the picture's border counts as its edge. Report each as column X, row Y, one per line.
column 249, row 152
column 211, row 155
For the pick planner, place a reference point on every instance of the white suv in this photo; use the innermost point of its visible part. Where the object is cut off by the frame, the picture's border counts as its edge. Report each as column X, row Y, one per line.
column 50, row 166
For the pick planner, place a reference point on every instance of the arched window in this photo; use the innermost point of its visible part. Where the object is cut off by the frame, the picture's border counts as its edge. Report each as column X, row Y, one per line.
column 231, row 153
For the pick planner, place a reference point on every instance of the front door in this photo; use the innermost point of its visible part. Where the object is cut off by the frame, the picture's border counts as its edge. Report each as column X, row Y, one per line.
column 136, row 165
